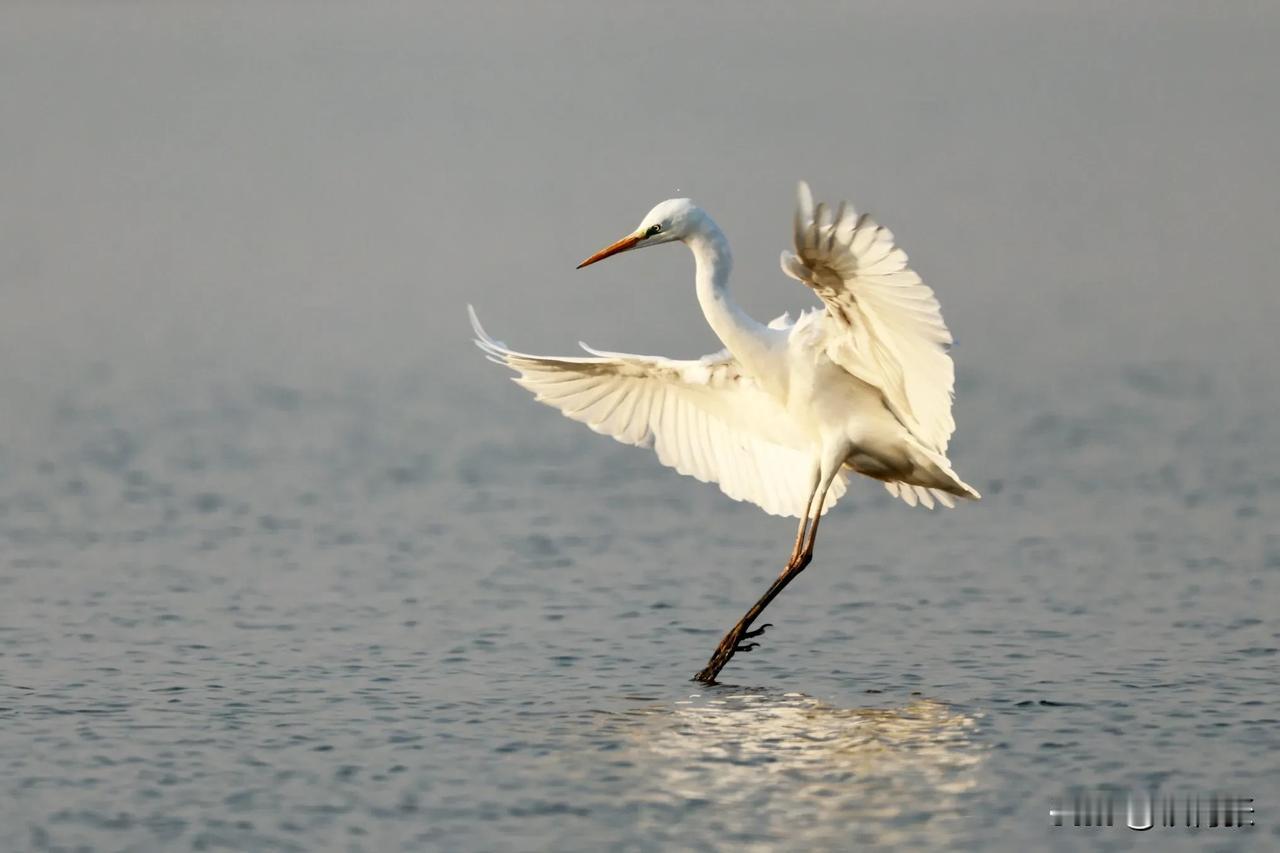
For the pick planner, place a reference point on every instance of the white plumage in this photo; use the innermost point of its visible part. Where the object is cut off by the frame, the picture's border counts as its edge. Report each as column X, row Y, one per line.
column 756, row 423
column 705, row 418
column 890, row 328
column 782, row 415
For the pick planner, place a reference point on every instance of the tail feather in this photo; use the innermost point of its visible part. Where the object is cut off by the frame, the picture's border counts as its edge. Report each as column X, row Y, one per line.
column 932, row 480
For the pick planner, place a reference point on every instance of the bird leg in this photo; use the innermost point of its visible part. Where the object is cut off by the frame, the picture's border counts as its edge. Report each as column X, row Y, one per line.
column 800, row 558
column 807, row 552
column 799, row 546
column 804, row 519
column 732, row 641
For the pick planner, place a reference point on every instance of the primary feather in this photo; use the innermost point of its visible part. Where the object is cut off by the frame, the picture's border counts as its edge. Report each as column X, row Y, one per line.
column 894, row 336
column 706, row 418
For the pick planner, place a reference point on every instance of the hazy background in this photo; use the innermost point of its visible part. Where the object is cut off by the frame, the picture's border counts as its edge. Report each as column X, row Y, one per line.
column 236, row 245
column 299, row 189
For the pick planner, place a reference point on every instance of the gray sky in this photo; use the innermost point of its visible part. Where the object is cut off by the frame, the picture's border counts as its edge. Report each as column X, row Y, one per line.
column 292, row 190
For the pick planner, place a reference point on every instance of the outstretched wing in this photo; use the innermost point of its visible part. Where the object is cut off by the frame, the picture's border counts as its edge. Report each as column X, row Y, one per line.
column 705, row 418
column 892, row 334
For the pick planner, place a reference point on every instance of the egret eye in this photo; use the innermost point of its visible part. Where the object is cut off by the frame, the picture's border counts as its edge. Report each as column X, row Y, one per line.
column 654, row 229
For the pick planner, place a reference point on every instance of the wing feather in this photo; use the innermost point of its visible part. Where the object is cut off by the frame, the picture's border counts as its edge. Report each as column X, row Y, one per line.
column 892, row 332
column 705, row 418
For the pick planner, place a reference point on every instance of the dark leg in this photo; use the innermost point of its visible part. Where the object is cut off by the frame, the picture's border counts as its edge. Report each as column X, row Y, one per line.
column 732, row 640
column 800, row 558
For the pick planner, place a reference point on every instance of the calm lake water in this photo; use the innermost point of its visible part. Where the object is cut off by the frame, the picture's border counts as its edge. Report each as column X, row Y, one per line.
column 286, row 565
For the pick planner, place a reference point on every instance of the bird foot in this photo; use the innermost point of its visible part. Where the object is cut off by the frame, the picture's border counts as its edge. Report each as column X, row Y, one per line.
column 746, row 635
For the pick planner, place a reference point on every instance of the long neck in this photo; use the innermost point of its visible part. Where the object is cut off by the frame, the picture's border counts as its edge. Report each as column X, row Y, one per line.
column 744, row 337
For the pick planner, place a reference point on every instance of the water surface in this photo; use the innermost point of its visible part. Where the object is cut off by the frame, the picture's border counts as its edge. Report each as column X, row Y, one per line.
column 286, row 564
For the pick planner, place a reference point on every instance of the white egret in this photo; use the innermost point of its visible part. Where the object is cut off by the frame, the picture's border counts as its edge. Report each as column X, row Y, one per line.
column 787, row 409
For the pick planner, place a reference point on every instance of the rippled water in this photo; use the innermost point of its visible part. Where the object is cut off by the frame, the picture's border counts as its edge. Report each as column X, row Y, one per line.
column 273, row 618
column 285, row 564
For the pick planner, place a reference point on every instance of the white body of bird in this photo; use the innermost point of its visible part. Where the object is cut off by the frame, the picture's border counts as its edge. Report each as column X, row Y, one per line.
column 787, row 409
column 863, row 386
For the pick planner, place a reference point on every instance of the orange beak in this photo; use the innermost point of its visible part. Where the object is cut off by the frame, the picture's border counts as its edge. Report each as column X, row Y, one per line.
column 622, row 245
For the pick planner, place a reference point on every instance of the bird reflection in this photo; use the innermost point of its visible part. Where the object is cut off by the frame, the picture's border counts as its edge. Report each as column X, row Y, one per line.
column 793, row 768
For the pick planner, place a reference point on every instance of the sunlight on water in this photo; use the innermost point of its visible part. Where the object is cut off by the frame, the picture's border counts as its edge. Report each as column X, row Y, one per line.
column 795, row 766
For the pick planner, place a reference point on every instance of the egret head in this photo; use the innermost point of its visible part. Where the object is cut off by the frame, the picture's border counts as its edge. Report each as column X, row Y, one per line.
column 673, row 219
